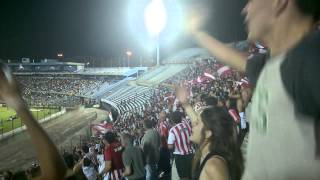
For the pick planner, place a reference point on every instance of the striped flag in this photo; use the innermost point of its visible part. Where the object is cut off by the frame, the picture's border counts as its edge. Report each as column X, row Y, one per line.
column 102, row 128
column 224, row 70
column 199, row 80
column 209, row 76
column 244, row 83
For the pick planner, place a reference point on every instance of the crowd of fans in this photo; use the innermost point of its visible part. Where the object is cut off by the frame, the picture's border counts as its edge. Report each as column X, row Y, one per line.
column 152, row 131
column 163, row 112
column 284, row 138
column 56, row 91
column 72, row 86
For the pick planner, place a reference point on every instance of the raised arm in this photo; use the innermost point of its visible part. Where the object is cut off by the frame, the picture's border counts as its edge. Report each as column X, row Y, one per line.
column 182, row 95
column 221, row 51
column 51, row 163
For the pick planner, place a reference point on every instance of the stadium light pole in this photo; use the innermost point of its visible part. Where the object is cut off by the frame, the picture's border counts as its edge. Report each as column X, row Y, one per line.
column 155, row 17
column 129, row 54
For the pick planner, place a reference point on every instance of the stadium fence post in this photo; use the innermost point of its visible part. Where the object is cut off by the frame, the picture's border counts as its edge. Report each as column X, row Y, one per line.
column 12, row 126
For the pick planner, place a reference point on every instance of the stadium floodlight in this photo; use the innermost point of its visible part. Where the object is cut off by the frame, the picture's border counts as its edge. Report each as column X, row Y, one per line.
column 129, row 54
column 154, row 21
column 155, row 18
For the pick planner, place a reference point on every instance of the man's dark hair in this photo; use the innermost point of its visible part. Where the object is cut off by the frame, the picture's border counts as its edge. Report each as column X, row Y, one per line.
column 110, row 137
column 86, row 162
column 68, row 159
column 127, row 138
column 85, row 149
column 148, row 123
column 19, row 175
column 310, row 7
column 176, row 117
column 211, row 101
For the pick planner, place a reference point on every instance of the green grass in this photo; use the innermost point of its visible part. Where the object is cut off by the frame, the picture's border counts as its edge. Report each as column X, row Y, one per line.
column 5, row 113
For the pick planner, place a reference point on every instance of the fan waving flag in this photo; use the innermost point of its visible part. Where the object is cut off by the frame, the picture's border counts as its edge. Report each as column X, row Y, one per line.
column 224, row 70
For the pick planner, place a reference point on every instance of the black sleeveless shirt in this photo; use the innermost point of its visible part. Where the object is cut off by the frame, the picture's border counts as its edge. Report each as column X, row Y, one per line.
column 199, row 169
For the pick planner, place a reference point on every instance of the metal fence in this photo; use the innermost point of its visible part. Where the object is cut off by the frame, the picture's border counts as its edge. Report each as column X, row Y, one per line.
column 11, row 124
column 83, row 138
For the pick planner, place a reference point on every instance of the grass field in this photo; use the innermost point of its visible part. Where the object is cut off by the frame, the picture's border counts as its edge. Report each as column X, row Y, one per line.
column 7, row 125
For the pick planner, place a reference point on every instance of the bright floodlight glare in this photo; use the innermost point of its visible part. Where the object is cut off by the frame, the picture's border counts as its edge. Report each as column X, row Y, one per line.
column 129, row 53
column 155, row 17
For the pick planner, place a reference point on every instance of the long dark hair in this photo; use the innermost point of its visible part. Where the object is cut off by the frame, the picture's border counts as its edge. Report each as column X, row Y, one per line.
column 222, row 142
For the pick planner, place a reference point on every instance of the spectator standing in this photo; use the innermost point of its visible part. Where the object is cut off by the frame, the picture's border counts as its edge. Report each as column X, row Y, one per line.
column 132, row 158
column 164, row 165
column 218, row 156
column 113, row 157
column 287, row 88
column 179, row 142
column 150, row 144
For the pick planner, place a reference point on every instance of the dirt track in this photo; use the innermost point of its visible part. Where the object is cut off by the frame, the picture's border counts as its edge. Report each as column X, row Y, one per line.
column 18, row 153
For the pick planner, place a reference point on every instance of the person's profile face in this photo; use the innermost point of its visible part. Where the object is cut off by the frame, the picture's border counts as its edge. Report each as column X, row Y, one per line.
column 197, row 127
column 258, row 18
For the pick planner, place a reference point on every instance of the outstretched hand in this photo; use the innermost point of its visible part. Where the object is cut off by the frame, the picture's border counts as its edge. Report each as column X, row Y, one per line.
column 196, row 20
column 182, row 94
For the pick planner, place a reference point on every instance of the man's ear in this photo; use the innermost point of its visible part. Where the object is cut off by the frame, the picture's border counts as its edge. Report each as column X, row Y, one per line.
column 280, row 6
column 208, row 134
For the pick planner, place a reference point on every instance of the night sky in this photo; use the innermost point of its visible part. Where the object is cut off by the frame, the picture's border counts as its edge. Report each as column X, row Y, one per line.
column 97, row 28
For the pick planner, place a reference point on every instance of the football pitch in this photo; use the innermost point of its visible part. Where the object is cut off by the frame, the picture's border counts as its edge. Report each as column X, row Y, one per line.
column 10, row 121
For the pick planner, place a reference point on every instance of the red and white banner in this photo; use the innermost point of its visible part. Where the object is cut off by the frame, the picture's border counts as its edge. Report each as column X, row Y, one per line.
column 102, row 128
column 224, row 70
column 199, row 79
column 244, row 83
column 209, row 76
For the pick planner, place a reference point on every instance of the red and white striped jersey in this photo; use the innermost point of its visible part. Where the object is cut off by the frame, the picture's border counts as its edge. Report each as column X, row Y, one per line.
column 163, row 129
column 179, row 135
column 187, row 122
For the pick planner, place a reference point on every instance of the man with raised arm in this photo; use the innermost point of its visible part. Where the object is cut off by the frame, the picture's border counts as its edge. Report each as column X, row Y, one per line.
column 284, row 139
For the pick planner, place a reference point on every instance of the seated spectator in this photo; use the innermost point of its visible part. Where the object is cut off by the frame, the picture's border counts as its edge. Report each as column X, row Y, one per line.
column 88, row 169
column 90, row 154
column 76, row 173
column 100, row 159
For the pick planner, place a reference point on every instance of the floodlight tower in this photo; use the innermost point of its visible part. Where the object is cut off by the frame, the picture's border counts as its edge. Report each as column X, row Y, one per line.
column 155, row 17
column 129, row 54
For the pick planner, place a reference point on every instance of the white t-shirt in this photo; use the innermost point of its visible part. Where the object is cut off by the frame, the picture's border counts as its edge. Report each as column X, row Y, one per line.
column 281, row 141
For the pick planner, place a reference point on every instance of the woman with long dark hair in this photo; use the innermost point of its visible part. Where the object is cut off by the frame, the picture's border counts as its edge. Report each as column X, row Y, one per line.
column 218, row 155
